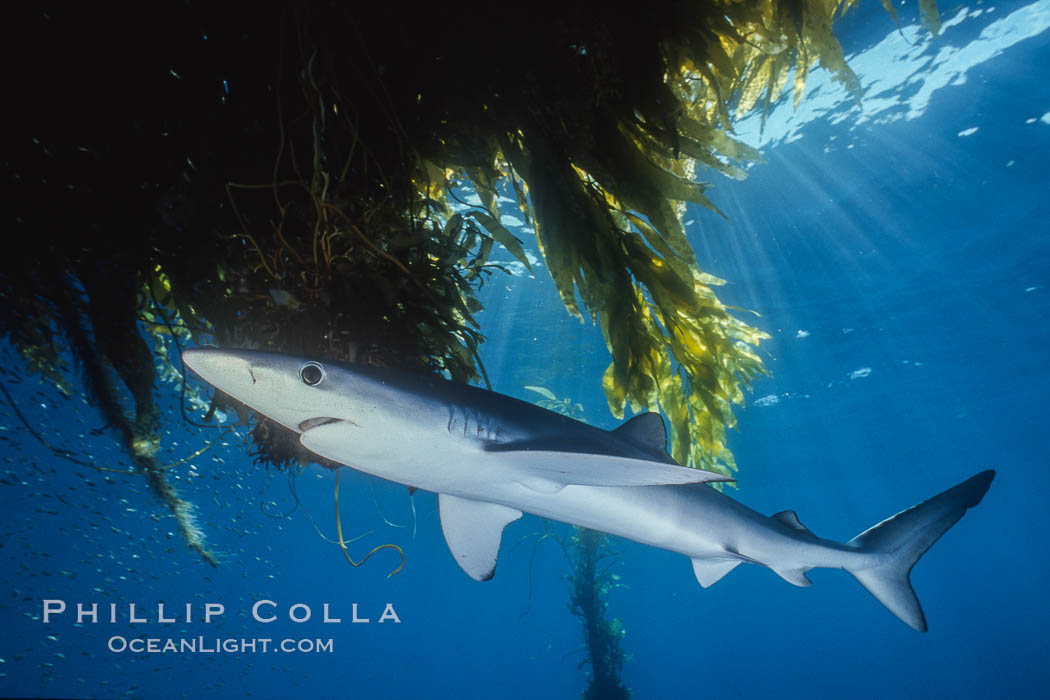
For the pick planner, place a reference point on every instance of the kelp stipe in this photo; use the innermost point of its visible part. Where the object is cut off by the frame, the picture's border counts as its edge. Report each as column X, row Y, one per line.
column 342, row 542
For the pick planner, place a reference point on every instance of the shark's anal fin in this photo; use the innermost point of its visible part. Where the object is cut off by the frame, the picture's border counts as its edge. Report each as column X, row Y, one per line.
column 795, row 576
column 710, row 571
column 473, row 530
column 537, row 466
column 790, row 518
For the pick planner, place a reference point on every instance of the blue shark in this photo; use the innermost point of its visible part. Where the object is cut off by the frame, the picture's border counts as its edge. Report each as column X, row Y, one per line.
column 490, row 458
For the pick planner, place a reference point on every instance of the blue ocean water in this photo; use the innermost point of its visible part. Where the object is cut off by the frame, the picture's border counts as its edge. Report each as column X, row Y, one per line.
column 900, row 260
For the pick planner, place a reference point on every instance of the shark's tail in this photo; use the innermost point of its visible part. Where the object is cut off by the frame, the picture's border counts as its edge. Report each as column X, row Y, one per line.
column 899, row 541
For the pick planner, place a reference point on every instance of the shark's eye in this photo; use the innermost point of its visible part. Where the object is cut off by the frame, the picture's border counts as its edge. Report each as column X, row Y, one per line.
column 311, row 373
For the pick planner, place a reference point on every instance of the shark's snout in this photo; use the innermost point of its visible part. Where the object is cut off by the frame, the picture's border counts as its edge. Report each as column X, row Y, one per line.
column 217, row 367
column 289, row 390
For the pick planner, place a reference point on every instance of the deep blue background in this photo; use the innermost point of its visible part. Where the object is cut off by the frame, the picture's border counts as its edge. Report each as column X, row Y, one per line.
column 902, row 248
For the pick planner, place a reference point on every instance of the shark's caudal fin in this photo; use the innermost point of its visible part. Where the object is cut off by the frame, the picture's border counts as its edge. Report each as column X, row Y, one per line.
column 899, row 542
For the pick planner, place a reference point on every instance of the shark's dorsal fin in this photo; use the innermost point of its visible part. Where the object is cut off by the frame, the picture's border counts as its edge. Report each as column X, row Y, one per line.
column 710, row 571
column 646, row 430
column 473, row 530
column 790, row 518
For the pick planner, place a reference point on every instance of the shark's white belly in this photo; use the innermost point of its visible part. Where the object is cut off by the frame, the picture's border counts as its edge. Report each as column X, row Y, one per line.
column 652, row 518
column 693, row 519
column 652, row 515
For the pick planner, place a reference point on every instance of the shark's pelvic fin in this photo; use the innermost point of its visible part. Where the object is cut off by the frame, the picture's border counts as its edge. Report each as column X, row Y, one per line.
column 647, row 431
column 900, row 541
column 530, row 467
column 473, row 530
column 710, row 571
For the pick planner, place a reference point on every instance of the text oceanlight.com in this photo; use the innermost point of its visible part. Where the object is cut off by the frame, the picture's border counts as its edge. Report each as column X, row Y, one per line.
column 216, row 645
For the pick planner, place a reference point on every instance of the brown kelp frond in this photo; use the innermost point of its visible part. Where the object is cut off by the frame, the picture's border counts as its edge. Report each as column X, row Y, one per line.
column 674, row 346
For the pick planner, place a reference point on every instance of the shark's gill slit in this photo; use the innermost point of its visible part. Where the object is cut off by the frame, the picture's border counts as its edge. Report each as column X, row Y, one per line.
column 342, row 543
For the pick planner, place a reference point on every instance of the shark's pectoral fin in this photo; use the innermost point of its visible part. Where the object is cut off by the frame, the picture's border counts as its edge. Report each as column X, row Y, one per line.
column 795, row 576
column 710, row 571
column 585, row 469
column 473, row 530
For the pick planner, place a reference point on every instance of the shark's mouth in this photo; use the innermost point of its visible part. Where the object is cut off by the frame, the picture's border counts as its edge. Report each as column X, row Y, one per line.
column 317, row 422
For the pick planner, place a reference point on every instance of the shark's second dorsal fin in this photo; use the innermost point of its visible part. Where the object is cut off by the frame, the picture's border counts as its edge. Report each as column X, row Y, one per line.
column 790, row 518
column 473, row 530
column 646, row 430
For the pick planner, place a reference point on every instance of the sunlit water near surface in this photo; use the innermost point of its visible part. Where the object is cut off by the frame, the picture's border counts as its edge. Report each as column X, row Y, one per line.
column 899, row 255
